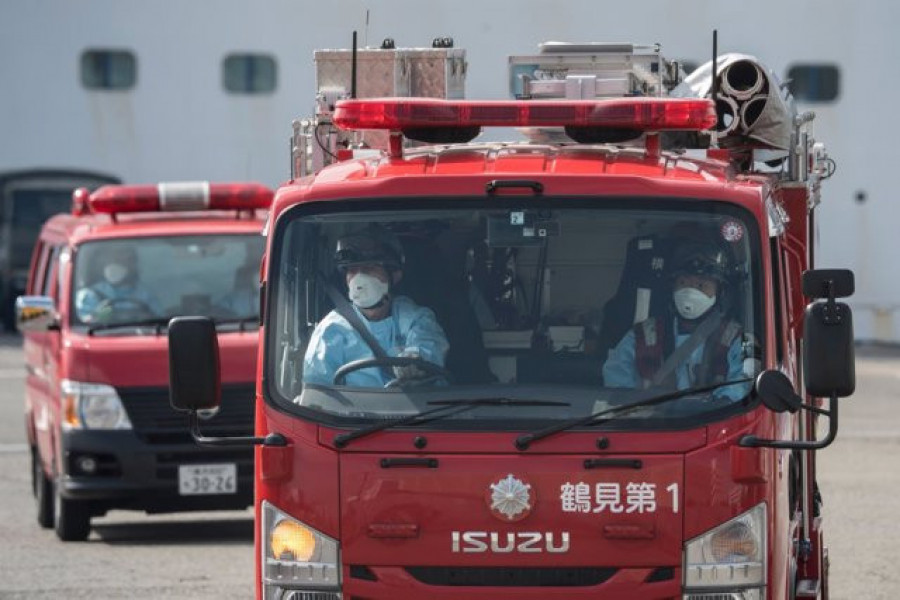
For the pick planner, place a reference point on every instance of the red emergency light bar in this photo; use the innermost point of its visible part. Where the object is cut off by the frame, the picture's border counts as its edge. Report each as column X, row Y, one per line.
column 180, row 196
column 643, row 114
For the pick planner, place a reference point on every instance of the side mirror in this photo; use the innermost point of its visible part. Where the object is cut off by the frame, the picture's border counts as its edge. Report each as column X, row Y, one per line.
column 828, row 354
column 777, row 392
column 194, row 381
column 36, row 314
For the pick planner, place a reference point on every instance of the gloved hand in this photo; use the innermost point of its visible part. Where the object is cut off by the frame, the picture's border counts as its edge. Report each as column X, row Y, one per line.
column 409, row 371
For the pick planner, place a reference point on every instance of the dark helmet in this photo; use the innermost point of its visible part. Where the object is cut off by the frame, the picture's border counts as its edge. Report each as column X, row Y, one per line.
column 374, row 245
column 701, row 258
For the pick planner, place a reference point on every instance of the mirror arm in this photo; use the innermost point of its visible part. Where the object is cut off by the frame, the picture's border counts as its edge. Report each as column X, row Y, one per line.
column 751, row 441
column 273, row 439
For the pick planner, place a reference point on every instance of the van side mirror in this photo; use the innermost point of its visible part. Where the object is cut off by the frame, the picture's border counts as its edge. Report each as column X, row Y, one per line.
column 36, row 314
column 194, row 380
column 828, row 352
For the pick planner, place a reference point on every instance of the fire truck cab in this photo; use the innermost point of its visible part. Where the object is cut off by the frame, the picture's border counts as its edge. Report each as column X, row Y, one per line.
column 104, row 282
column 571, row 367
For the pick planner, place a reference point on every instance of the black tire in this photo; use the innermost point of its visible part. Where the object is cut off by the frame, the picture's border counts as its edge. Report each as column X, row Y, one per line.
column 43, row 492
column 73, row 518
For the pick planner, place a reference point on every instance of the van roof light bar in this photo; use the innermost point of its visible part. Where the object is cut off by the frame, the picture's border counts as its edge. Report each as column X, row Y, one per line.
column 180, row 196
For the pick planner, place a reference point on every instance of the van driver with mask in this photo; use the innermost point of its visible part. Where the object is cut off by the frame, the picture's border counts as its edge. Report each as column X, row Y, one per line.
column 649, row 356
column 119, row 295
column 372, row 265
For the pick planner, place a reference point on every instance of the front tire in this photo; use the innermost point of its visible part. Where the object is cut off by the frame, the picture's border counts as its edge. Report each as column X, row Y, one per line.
column 73, row 517
column 43, row 491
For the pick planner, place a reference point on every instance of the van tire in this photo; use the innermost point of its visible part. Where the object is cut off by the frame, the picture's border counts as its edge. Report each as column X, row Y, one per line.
column 43, row 491
column 73, row 518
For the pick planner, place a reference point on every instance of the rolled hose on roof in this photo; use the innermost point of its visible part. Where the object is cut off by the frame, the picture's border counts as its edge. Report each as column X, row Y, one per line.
column 728, row 114
column 742, row 80
column 752, row 110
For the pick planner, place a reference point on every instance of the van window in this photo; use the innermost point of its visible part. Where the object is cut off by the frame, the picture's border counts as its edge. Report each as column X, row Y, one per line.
column 122, row 282
column 249, row 74
column 108, row 69
column 50, row 272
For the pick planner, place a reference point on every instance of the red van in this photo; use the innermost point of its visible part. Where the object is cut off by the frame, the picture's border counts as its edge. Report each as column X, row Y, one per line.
column 103, row 284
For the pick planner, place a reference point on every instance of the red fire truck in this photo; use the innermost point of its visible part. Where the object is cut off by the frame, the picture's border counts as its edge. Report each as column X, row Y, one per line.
column 590, row 365
column 104, row 282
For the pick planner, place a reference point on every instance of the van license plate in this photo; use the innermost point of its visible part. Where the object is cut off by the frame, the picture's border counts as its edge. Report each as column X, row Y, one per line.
column 198, row 480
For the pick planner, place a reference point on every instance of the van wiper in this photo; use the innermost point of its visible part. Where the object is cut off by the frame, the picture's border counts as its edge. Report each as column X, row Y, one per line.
column 526, row 439
column 241, row 322
column 157, row 322
column 445, row 408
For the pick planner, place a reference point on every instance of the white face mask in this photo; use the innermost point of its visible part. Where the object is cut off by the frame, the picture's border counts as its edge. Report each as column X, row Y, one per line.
column 366, row 290
column 115, row 273
column 692, row 303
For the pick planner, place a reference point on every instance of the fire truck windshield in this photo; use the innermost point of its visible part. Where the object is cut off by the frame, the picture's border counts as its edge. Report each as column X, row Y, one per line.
column 571, row 307
column 124, row 283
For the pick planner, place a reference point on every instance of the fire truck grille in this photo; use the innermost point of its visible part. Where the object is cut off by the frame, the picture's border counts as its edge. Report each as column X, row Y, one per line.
column 156, row 422
column 511, row 577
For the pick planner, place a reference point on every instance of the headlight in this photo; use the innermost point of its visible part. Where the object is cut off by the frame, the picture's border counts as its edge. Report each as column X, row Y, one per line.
column 92, row 406
column 296, row 557
column 730, row 559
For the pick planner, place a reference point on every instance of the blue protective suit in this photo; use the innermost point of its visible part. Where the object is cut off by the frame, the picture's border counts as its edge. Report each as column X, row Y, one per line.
column 410, row 328
column 620, row 370
column 88, row 299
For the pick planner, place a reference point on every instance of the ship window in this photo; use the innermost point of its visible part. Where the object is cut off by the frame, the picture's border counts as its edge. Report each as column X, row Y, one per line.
column 814, row 83
column 249, row 74
column 108, row 69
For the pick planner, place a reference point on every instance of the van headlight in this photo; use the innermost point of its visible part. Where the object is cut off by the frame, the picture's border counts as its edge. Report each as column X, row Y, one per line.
column 92, row 406
column 296, row 557
column 728, row 561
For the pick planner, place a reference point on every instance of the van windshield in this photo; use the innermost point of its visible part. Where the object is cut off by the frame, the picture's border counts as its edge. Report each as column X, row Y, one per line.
column 122, row 282
column 381, row 314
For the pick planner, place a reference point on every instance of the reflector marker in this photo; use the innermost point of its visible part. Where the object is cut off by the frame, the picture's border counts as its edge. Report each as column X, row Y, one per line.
column 183, row 195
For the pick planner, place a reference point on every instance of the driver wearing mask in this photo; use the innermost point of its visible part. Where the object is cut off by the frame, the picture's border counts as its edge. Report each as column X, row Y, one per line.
column 695, row 344
column 372, row 264
column 119, row 292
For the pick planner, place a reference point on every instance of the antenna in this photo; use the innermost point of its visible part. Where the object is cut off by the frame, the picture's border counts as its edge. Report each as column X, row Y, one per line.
column 366, row 33
column 714, row 89
column 353, row 68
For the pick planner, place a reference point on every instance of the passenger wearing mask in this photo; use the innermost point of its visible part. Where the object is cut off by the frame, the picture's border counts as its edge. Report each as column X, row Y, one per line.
column 119, row 296
column 695, row 344
column 372, row 264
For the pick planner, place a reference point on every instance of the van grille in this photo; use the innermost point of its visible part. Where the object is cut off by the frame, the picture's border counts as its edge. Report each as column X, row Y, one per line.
column 511, row 577
column 156, row 422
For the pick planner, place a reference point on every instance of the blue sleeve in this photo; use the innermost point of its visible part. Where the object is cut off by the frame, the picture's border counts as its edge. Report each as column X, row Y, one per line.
column 424, row 335
column 619, row 370
column 86, row 301
column 735, row 371
column 324, row 354
column 145, row 296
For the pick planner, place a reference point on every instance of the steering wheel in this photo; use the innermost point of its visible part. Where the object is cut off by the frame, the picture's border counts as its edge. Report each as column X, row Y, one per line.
column 133, row 303
column 432, row 370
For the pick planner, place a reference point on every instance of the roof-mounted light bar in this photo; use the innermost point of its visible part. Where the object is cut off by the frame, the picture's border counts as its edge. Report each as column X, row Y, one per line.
column 180, row 196
column 643, row 114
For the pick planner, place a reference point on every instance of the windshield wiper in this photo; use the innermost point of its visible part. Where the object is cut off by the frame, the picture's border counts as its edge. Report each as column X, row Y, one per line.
column 526, row 439
column 241, row 322
column 443, row 406
column 157, row 322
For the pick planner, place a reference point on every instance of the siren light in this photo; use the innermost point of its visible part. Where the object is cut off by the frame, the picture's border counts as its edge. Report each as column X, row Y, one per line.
column 80, row 198
column 642, row 114
column 180, row 196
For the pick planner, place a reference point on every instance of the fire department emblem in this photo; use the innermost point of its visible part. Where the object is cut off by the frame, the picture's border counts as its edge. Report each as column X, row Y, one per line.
column 732, row 231
column 510, row 499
